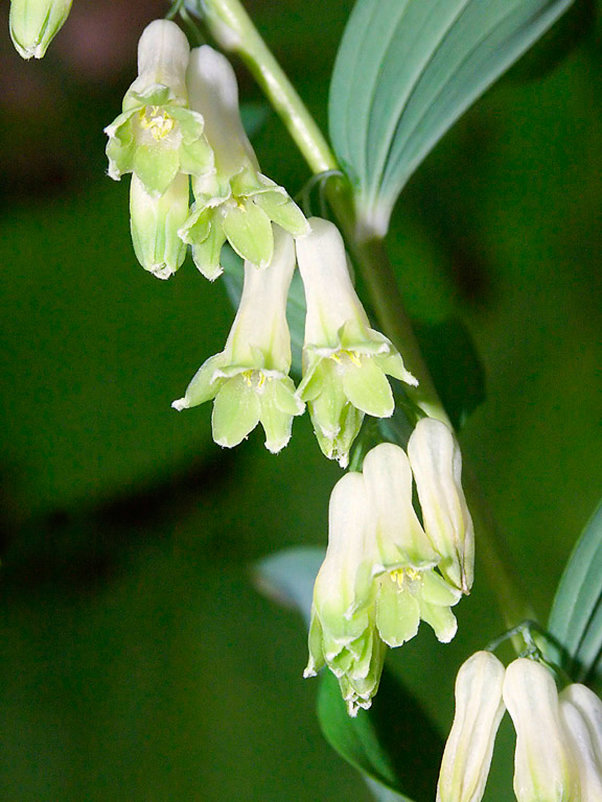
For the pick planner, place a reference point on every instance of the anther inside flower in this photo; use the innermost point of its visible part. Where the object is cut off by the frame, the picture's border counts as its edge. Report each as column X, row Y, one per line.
column 156, row 121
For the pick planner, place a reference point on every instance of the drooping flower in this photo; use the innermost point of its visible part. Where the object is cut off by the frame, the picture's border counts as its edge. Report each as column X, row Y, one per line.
column 249, row 379
column 437, row 467
column 35, row 23
column 379, row 578
column 469, row 747
column 345, row 362
column 157, row 136
column 581, row 715
column 408, row 586
column 545, row 769
column 342, row 632
column 235, row 202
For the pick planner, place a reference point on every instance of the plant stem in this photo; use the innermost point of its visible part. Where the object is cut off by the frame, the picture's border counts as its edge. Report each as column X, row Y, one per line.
column 234, row 30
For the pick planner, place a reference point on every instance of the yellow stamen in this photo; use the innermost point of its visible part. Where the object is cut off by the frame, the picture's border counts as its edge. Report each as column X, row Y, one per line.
column 156, row 120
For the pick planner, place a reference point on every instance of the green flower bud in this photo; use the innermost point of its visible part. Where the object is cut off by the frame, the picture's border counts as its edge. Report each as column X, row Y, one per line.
column 437, row 467
column 249, row 379
column 469, row 747
column 35, row 23
column 345, row 361
column 544, row 765
column 154, row 225
column 157, row 136
column 235, row 202
column 581, row 715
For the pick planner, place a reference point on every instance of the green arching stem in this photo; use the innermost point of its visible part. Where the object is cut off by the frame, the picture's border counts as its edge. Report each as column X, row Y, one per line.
column 234, row 30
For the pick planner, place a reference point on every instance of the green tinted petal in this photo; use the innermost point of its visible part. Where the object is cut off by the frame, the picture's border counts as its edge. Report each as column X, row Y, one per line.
column 197, row 225
column 326, row 409
column 314, row 643
column 204, row 384
column 282, row 392
column 392, row 365
column 397, row 613
column 206, row 253
column 282, row 210
column 236, row 412
column 154, row 223
column 196, row 157
column 367, row 388
column 249, row 232
column 156, row 167
column 435, row 590
column 442, row 620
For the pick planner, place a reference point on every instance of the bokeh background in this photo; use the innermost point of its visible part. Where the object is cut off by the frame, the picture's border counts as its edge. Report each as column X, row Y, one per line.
column 138, row 660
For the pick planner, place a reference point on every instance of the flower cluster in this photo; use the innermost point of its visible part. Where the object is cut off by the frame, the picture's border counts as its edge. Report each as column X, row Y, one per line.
column 558, row 754
column 34, row 24
column 383, row 572
column 345, row 361
column 180, row 121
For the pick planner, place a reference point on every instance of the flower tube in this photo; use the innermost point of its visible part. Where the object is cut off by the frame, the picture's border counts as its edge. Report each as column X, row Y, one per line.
column 249, row 379
column 469, row 747
column 544, row 765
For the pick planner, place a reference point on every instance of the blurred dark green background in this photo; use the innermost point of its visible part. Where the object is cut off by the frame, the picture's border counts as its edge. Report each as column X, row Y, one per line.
column 138, row 662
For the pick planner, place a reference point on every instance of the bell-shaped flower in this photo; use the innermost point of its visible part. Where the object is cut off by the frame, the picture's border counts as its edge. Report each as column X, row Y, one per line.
column 345, row 362
column 469, row 747
column 342, row 632
column 249, row 379
column 235, row 202
column 34, row 24
column 408, row 588
column 544, row 765
column 581, row 714
column 437, row 467
column 157, row 136
column 154, row 223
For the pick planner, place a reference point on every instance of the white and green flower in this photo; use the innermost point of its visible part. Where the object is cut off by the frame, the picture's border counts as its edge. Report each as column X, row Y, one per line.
column 408, row 587
column 249, row 379
column 345, row 362
column 342, row 632
column 235, row 202
column 379, row 578
column 157, row 136
column 34, row 24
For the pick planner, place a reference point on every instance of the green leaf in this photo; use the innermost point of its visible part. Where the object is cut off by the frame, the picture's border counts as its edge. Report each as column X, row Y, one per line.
column 381, row 742
column 295, row 309
column 576, row 617
column 288, row 576
column 576, row 27
column 405, row 71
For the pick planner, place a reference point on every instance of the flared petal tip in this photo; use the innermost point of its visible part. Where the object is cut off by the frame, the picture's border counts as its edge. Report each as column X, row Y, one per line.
column 180, row 404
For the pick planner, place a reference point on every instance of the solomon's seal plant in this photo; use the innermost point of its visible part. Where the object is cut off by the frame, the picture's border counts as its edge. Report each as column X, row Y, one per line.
column 404, row 517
